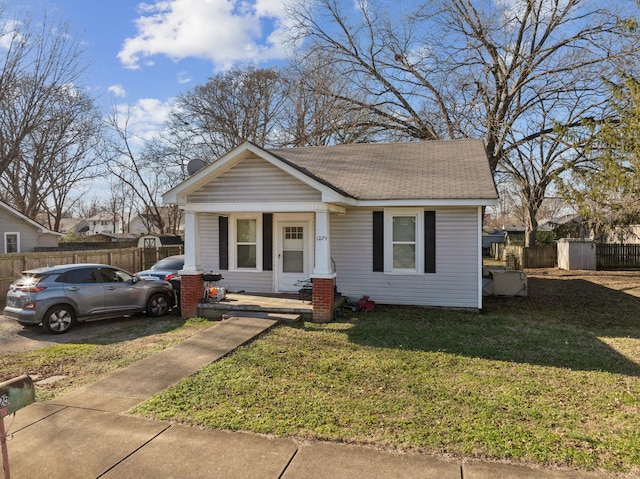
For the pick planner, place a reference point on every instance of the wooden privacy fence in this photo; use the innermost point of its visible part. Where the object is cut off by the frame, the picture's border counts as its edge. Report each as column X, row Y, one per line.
column 608, row 256
column 617, row 256
column 129, row 259
column 539, row 256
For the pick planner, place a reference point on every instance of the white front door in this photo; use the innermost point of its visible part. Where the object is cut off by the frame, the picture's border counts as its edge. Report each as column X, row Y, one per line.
column 293, row 254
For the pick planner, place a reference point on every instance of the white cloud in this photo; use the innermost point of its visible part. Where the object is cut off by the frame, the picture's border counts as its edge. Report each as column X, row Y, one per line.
column 9, row 33
column 221, row 31
column 184, row 77
column 117, row 90
column 144, row 119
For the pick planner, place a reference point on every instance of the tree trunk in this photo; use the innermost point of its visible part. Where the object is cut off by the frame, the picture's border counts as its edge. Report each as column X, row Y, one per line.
column 531, row 227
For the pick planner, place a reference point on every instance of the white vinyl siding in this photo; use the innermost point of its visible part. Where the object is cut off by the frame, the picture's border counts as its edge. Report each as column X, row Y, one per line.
column 455, row 283
column 255, row 180
column 249, row 281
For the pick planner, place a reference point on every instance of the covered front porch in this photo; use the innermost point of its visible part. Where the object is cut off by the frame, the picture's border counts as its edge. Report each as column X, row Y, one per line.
column 241, row 303
column 261, row 250
column 269, row 306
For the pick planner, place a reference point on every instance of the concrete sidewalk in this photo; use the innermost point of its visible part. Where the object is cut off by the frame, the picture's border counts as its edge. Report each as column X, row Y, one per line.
column 87, row 434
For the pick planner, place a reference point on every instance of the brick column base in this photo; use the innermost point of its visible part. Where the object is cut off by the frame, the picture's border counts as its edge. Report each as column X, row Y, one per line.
column 322, row 299
column 191, row 292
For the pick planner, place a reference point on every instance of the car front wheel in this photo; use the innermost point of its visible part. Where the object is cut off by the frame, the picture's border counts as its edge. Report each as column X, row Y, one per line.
column 58, row 319
column 158, row 305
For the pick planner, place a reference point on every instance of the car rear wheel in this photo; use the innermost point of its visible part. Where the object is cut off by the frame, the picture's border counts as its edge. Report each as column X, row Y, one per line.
column 158, row 305
column 58, row 319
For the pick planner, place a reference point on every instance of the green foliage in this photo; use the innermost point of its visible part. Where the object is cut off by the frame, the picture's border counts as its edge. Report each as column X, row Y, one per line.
column 607, row 193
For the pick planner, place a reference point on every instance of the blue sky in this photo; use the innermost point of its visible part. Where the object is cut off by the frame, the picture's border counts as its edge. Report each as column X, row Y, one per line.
column 141, row 55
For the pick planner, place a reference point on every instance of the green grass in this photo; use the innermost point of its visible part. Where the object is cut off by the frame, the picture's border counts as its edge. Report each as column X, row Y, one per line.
column 546, row 384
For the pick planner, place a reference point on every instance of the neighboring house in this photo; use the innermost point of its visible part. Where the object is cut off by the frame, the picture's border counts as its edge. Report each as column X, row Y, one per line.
column 74, row 225
column 147, row 223
column 401, row 223
column 20, row 234
column 104, row 223
column 491, row 236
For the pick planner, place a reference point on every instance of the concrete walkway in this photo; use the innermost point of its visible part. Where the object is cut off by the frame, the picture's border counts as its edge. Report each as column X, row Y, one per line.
column 86, row 434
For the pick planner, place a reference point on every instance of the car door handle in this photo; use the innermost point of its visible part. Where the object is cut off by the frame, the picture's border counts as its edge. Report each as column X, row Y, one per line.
column 73, row 288
column 110, row 288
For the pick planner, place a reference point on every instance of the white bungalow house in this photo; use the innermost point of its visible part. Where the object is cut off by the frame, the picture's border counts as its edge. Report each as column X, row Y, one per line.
column 400, row 222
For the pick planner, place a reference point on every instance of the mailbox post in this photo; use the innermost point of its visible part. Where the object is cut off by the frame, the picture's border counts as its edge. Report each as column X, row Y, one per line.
column 14, row 394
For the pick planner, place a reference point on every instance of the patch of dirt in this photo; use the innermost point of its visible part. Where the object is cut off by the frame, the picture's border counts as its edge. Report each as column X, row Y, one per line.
column 16, row 338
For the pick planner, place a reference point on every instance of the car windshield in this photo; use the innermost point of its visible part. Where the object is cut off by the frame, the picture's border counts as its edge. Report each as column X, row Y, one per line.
column 169, row 263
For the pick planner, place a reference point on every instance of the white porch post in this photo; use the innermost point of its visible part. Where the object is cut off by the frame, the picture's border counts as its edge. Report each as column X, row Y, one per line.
column 192, row 263
column 323, row 267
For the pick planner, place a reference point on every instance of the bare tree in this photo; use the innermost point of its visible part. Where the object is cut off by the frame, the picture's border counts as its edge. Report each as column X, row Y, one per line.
column 508, row 72
column 41, row 60
column 139, row 175
column 315, row 113
column 55, row 159
column 240, row 105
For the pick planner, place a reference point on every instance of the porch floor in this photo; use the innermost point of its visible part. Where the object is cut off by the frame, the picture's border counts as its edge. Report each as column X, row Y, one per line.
column 256, row 303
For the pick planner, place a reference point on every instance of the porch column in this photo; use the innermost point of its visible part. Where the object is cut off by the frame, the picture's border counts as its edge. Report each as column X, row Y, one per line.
column 322, row 241
column 192, row 284
column 323, row 275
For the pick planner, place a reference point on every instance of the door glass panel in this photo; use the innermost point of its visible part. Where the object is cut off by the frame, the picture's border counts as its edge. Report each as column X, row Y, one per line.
column 293, row 249
column 293, row 262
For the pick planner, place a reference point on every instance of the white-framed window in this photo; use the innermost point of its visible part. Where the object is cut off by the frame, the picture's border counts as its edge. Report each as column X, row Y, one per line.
column 11, row 242
column 403, row 241
column 245, row 242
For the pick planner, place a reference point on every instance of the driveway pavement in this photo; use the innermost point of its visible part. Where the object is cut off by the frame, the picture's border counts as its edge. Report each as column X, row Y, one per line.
column 15, row 337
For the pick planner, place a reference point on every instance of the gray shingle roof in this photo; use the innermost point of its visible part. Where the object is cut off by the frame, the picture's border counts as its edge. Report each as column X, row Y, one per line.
column 443, row 169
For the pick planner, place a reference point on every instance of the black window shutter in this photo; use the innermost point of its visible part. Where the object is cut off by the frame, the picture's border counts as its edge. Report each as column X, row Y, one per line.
column 223, row 230
column 267, row 241
column 429, row 241
column 378, row 241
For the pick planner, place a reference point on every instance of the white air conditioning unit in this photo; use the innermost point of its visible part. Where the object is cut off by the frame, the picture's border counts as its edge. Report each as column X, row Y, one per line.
column 509, row 283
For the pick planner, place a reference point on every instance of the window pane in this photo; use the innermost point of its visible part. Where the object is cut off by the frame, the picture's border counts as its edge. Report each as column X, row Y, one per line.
column 404, row 256
column 404, row 228
column 246, row 256
column 246, row 231
column 12, row 243
column 81, row 276
column 292, row 261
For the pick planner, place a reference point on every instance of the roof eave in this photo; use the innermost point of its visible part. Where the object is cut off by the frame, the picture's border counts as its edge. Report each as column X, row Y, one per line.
column 439, row 202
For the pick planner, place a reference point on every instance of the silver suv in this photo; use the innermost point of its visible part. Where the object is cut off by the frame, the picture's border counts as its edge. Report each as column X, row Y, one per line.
column 58, row 296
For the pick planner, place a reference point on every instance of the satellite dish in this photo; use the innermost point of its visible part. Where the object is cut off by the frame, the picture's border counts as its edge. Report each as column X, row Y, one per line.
column 195, row 165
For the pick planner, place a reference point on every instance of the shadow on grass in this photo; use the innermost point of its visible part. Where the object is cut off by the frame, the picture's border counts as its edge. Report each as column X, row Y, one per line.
column 106, row 331
column 559, row 324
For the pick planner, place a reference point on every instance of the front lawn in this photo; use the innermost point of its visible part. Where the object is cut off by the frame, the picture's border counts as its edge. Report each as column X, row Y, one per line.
column 553, row 378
